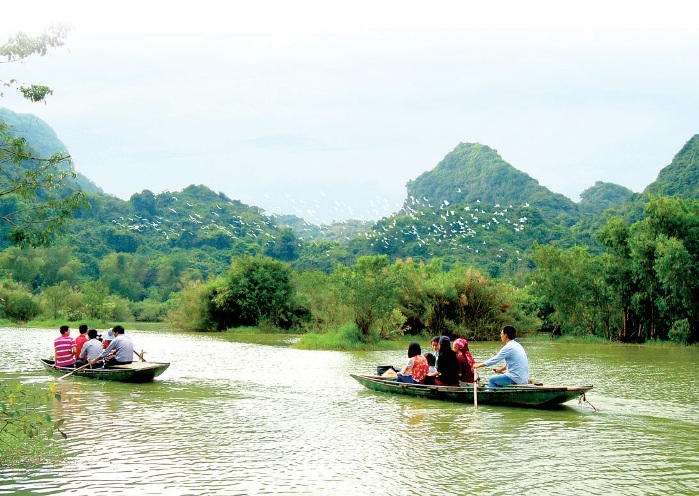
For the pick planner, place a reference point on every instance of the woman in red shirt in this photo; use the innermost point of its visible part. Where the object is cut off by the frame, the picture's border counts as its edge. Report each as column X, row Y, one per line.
column 416, row 369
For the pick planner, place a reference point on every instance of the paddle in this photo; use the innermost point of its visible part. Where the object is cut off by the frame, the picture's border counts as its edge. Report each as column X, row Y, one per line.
column 140, row 355
column 475, row 389
column 80, row 368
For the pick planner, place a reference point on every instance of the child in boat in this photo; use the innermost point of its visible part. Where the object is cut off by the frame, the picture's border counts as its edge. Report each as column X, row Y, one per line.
column 432, row 362
column 466, row 361
column 432, row 371
column 109, row 338
column 416, row 369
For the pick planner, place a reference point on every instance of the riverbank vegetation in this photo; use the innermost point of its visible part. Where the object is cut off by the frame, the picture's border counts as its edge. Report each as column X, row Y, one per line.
column 642, row 286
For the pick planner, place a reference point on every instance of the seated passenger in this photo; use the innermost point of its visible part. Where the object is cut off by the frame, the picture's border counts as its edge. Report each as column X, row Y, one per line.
column 109, row 338
column 119, row 351
column 64, row 348
column 447, row 364
column 432, row 362
column 91, row 350
column 415, row 370
column 466, row 361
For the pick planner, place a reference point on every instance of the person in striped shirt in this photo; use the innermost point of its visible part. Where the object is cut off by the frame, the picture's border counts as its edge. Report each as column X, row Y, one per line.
column 64, row 348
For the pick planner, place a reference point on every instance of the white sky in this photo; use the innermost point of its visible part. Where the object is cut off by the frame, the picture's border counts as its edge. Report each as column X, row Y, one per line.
column 326, row 109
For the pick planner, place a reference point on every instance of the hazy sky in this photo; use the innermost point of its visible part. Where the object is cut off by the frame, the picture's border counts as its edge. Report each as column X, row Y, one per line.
column 326, row 109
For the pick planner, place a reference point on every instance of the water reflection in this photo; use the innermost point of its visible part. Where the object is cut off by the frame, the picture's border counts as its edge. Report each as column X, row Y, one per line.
column 241, row 418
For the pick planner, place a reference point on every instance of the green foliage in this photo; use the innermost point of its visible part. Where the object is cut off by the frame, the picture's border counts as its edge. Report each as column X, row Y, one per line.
column 148, row 310
column 370, row 290
column 190, row 308
column 25, row 416
column 284, row 247
column 680, row 332
column 601, row 196
column 680, row 177
column 17, row 304
column 36, row 201
column 95, row 300
column 577, row 299
column 347, row 337
column 255, row 290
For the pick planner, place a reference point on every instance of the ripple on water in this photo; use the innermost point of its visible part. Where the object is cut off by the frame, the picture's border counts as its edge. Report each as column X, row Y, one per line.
column 283, row 421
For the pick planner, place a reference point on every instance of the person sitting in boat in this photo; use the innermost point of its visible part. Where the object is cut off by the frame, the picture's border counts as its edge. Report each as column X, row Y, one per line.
column 91, row 350
column 80, row 341
column 416, row 369
column 432, row 362
column 435, row 347
column 120, row 350
column 516, row 368
column 466, row 361
column 109, row 338
column 64, row 348
column 447, row 364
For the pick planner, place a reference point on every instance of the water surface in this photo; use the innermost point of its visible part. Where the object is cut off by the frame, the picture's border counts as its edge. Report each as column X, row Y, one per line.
column 240, row 418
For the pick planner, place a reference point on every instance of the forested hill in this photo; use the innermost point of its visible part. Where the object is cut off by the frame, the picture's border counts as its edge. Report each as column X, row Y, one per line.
column 473, row 172
column 681, row 177
column 41, row 140
column 471, row 208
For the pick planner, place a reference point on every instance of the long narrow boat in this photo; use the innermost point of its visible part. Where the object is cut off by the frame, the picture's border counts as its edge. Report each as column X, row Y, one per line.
column 524, row 395
column 132, row 372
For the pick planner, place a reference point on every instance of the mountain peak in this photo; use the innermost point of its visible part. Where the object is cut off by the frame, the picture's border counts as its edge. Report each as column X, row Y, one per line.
column 473, row 172
column 681, row 176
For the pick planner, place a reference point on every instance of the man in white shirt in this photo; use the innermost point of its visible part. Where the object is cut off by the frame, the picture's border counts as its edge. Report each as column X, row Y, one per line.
column 516, row 368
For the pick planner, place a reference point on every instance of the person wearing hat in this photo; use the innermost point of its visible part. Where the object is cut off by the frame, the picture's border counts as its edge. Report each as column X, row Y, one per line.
column 466, row 361
column 109, row 338
column 119, row 351
column 516, row 368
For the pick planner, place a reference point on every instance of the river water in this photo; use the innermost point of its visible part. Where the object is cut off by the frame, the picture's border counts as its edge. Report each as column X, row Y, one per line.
column 232, row 418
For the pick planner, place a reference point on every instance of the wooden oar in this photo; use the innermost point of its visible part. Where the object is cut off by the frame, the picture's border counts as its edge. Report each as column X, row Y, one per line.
column 140, row 355
column 475, row 389
column 80, row 368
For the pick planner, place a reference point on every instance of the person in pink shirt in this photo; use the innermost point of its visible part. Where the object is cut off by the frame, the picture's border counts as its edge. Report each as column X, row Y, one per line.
column 80, row 340
column 64, row 348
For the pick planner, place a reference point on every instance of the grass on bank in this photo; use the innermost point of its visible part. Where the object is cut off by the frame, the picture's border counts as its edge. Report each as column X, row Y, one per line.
column 348, row 338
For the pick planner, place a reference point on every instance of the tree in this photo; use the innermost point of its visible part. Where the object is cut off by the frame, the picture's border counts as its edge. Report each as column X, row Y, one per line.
column 369, row 289
column 95, row 294
column 35, row 200
column 579, row 299
column 255, row 289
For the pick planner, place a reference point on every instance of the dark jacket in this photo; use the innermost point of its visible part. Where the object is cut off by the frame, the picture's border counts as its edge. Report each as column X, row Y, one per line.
column 448, row 368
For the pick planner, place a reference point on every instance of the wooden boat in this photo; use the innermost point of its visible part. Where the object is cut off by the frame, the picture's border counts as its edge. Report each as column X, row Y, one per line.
column 132, row 372
column 524, row 395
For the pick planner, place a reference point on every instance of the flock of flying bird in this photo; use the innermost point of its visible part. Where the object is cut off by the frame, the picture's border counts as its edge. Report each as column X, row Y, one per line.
column 420, row 225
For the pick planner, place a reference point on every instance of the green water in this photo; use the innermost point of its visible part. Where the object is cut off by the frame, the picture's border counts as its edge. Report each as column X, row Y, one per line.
column 244, row 418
